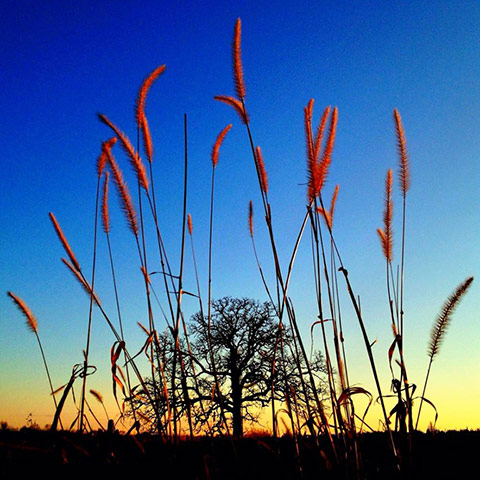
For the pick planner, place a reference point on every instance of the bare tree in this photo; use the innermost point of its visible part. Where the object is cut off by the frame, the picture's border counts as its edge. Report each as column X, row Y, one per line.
column 255, row 363
column 245, row 339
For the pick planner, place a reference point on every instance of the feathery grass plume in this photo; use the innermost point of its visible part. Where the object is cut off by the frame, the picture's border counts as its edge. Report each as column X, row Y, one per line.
column 333, row 202
column 31, row 320
column 190, row 224
column 328, row 215
column 105, row 215
column 438, row 333
column 236, row 104
column 127, row 203
column 314, row 167
column 102, row 159
column 319, row 133
column 250, row 218
column 324, row 165
column 140, row 110
column 404, row 170
column 97, row 395
column 237, row 61
column 64, row 241
column 311, row 161
column 133, row 156
column 262, row 171
column 386, row 235
column 147, row 138
column 144, row 89
column 81, row 280
column 443, row 318
column 33, row 326
column 99, row 398
column 218, row 143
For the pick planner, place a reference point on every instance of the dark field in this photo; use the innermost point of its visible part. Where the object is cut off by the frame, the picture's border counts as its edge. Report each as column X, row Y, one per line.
column 443, row 455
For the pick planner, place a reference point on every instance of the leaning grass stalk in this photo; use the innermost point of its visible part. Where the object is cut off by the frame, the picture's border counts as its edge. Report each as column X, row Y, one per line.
column 439, row 329
column 318, row 402
column 259, row 266
column 209, row 306
column 370, row 357
column 367, row 342
column 318, row 280
column 33, row 326
column 180, row 282
column 106, row 228
column 341, row 372
column 404, row 171
column 90, row 312
column 144, row 267
column 200, row 303
column 284, row 300
column 136, row 162
column 336, row 293
column 281, row 287
column 279, row 279
column 129, row 210
column 194, row 257
column 114, row 331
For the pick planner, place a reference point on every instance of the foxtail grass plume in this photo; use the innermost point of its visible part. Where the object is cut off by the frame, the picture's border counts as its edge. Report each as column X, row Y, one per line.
column 328, row 214
column 320, row 131
column 236, row 104
column 237, row 61
column 386, row 235
column 404, row 170
column 218, row 143
column 64, row 241
column 102, row 159
column 133, row 156
column 443, row 319
column 261, row 170
column 327, row 153
column 141, row 118
column 439, row 329
column 105, row 214
column 334, row 201
column 31, row 320
column 190, row 224
column 144, row 89
column 311, row 161
column 317, row 170
column 97, row 395
column 126, row 199
column 250, row 218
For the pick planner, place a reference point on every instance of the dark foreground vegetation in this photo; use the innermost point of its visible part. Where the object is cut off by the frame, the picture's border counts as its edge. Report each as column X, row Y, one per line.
column 439, row 455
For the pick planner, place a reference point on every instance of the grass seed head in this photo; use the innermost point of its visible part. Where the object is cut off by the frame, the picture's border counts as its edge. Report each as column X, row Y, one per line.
column 31, row 320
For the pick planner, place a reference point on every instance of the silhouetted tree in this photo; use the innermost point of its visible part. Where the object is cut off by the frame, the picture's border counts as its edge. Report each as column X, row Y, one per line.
column 244, row 337
column 243, row 340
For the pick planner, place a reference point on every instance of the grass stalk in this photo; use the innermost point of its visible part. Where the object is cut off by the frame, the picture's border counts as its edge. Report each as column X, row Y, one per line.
column 439, row 329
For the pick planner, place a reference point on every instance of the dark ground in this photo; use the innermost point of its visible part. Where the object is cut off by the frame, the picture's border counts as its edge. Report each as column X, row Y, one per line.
column 443, row 455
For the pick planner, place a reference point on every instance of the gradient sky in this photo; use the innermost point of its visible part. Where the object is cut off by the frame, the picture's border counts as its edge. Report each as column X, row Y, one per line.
column 62, row 62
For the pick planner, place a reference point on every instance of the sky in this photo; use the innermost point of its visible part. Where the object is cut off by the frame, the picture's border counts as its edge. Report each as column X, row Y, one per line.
column 64, row 62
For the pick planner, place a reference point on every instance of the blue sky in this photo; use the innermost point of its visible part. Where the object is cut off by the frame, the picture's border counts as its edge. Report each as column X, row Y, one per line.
column 62, row 63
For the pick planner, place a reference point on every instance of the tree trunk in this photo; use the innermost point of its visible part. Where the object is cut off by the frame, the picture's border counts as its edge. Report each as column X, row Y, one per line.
column 237, row 420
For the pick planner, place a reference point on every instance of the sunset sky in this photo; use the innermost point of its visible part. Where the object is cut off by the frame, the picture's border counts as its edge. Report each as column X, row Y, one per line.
column 64, row 62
